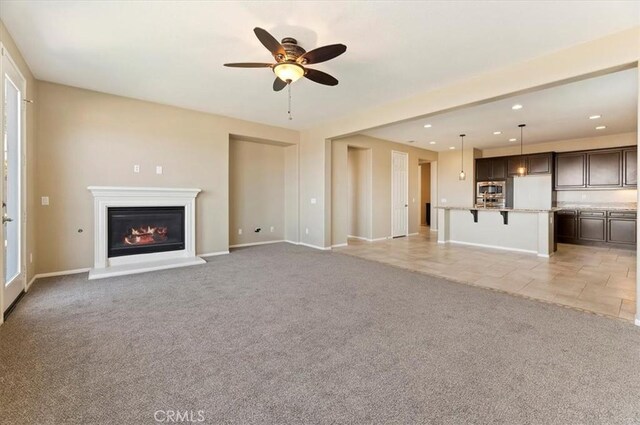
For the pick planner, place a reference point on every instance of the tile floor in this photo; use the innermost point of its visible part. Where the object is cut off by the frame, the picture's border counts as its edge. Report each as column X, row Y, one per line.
column 599, row 280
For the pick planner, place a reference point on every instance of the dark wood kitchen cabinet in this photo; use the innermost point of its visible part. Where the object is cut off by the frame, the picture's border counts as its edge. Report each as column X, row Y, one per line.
column 570, row 170
column 488, row 169
column 622, row 230
column 539, row 164
column 604, row 169
column 630, row 167
column 592, row 226
column 597, row 169
column 597, row 227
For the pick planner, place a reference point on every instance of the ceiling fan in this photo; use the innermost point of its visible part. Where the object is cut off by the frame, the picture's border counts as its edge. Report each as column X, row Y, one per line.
column 291, row 60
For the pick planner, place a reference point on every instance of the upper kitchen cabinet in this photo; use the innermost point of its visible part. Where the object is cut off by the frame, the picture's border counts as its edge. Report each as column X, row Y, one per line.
column 570, row 171
column 488, row 169
column 539, row 164
column 597, row 169
column 630, row 167
column 604, row 169
column 534, row 164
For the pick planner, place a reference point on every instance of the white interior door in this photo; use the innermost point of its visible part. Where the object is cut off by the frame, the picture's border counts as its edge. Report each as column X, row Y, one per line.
column 13, row 131
column 399, row 194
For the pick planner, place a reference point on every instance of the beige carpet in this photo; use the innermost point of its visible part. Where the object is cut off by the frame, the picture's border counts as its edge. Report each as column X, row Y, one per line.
column 285, row 334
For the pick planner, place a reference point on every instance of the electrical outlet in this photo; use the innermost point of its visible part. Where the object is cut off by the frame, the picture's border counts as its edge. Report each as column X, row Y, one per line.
column 306, row 230
column 239, row 231
column 272, row 229
column 158, row 169
column 136, row 168
column 45, row 200
column 314, row 201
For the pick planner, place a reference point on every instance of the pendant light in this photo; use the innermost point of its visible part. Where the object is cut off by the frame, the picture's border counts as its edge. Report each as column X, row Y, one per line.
column 462, row 175
column 522, row 170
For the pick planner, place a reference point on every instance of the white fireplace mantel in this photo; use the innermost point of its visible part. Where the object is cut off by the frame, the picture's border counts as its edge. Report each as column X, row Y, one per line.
column 105, row 197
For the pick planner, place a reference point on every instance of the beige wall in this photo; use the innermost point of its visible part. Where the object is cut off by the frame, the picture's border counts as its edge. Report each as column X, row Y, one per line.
column 451, row 190
column 256, row 192
column 611, row 141
column 8, row 43
column 381, row 184
column 90, row 138
column 359, row 189
column 425, row 190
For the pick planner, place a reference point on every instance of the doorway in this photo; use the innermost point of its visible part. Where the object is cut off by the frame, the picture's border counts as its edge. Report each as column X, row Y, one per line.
column 425, row 195
column 359, row 219
column 399, row 194
column 13, row 91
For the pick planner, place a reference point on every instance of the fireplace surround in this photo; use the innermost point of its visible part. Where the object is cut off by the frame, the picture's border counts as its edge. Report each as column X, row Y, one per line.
column 139, row 229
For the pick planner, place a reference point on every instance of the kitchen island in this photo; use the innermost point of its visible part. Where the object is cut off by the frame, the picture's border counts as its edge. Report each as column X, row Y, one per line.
column 512, row 229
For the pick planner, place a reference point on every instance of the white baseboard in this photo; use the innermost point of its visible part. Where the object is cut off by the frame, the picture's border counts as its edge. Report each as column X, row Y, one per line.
column 314, row 246
column 33, row 279
column 340, row 245
column 494, row 247
column 61, row 273
column 381, row 239
column 213, row 254
column 359, row 238
column 256, row 243
column 292, row 242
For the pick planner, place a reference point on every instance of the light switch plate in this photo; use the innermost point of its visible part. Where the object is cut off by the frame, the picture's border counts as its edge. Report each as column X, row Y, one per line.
column 158, row 169
column 136, row 168
column 314, row 200
column 45, row 200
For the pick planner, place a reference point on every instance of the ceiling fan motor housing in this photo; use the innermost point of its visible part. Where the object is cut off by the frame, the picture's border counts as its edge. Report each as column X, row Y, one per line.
column 292, row 49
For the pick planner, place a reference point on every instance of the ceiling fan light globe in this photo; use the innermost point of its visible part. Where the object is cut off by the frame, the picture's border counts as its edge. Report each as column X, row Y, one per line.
column 288, row 72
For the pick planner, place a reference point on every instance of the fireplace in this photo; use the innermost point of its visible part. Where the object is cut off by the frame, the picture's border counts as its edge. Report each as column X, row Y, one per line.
column 144, row 230
column 140, row 229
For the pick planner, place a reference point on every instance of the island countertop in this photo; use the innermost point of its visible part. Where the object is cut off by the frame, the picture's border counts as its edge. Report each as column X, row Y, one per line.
column 516, row 210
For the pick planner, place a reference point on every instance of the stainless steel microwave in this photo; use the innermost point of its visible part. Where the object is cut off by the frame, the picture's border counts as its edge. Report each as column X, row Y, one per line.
column 490, row 189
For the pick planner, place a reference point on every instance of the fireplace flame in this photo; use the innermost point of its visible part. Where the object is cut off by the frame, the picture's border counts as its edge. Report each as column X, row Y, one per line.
column 145, row 235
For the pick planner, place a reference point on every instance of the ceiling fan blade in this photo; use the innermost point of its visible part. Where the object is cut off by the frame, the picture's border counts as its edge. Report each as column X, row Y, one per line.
column 322, row 54
column 249, row 65
column 320, row 77
column 269, row 42
column 278, row 84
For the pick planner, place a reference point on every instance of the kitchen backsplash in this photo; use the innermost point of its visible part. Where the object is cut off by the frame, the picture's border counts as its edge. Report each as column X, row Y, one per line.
column 596, row 196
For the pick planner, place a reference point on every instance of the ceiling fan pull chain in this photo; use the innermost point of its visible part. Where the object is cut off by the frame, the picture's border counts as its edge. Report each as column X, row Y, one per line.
column 289, row 111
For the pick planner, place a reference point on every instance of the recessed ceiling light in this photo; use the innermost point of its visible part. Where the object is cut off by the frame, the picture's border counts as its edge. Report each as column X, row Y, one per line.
column 497, row 132
column 594, row 117
column 601, row 127
column 427, row 126
column 452, row 147
column 432, row 143
column 516, row 107
column 513, row 140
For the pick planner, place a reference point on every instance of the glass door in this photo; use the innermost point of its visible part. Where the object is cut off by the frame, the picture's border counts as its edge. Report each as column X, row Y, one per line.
column 13, row 89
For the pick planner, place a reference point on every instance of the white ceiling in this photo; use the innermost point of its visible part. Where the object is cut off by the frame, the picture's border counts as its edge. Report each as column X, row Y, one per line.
column 558, row 113
column 172, row 52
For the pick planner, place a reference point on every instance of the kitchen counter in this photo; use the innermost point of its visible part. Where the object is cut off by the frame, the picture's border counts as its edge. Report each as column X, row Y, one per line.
column 518, row 210
column 520, row 230
column 620, row 206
